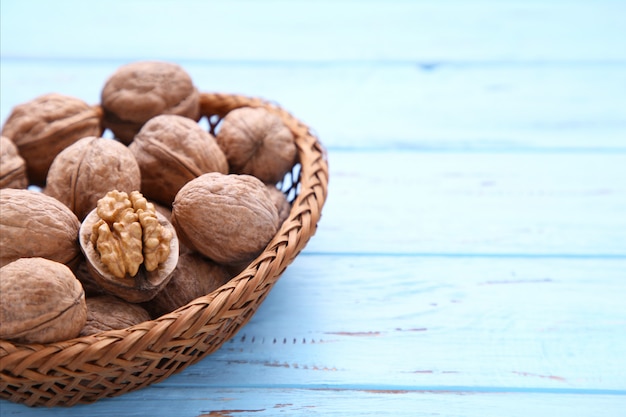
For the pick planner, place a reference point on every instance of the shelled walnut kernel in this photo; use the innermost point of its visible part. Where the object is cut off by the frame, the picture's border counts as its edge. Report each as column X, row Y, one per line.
column 131, row 249
column 129, row 234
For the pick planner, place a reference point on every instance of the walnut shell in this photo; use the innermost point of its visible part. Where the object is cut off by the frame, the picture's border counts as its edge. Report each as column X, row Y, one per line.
column 258, row 143
column 43, row 127
column 40, row 302
column 193, row 277
column 12, row 166
column 138, row 91
column 106, row 312
column 135, row 289
column 36, row 225
column 85, row 171
column 280, row 201
column 167, row 212
column 228, row 218
column 82, row 273
column 172, row 150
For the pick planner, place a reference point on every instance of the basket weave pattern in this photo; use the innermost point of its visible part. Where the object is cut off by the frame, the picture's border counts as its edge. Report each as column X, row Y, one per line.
column 115, row 362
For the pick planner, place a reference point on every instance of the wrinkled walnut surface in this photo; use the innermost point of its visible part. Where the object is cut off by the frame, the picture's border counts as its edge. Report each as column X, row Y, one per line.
column 33, row 224
column 228, row 218
column 131, row 249
column 138, row 91
column 41, row 301
column 12, row 166
column 129, row 234
column 43, row 127
column 82, row 273
column 280, row 201
column 257, row 142
column 193, row 277
column 106, row 312
column 85, row 171
column 172, row 150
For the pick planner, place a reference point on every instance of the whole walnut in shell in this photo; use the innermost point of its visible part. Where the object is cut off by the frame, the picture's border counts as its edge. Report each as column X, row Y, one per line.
column 228, row 218
column 138, row 91
column 172, row 150
column 258, row 143
column 43, row 127
column 193, row 277
column 40, row 302
column 130, row 248
column 85, row 171
column 33, row 224
column 280, row 201
column 12, row 166
column 107, row 312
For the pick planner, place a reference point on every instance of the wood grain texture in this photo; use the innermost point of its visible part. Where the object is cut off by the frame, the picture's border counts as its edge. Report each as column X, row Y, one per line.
column 242, row 402
column 471, row 257
column 385, row 323
column 503, row 108
column 526, row 204
column 401, row 331
column 317, row 31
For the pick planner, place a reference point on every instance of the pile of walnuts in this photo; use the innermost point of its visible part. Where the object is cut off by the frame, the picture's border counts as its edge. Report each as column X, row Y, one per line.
column 103, row 233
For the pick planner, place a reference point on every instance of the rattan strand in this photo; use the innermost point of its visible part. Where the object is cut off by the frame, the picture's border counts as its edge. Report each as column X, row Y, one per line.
column 112, row 363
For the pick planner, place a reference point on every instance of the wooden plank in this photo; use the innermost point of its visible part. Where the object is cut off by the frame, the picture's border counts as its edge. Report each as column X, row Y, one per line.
column 468, row 108
column 524, row 204
column 416, row 323
column 232, row 402
column 326, row 31
column 384, row 335
column 471, row 255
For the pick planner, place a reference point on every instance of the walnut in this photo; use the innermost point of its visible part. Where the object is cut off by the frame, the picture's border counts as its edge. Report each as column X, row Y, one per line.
column 40, row 302
column 138, row 91
column 82, row 273
column 228, row 218
column 172, row 150
column 280, row 201
column 193, row 277
column 166, row 211
column 85, row 171
column 258, row 143
column 129, row 234
column 131, row 249
column 12, row 166
column 33, row 224
column 107, row 312
column 43, row 127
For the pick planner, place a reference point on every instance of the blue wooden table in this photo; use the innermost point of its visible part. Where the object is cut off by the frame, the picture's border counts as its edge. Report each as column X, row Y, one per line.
column 471, row 256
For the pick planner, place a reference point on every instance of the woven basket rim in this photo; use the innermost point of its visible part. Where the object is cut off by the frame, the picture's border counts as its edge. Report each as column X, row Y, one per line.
column 24, row 368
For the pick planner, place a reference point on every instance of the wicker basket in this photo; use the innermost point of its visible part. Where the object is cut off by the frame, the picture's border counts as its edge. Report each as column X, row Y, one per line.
column 112, row 363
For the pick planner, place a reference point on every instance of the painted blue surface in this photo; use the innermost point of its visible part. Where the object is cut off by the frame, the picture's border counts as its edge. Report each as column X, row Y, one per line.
column 471, row 257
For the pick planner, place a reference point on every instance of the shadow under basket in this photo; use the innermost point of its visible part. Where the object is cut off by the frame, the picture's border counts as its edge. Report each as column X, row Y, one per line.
column 111, row 363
